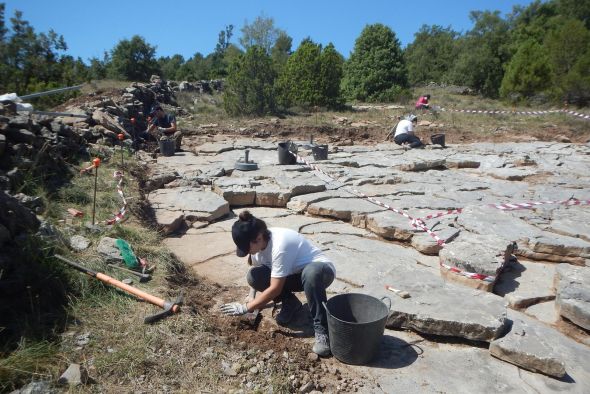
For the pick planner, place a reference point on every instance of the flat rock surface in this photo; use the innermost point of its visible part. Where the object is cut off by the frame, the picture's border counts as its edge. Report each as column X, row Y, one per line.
column 545, row 312
column 573, row 294
column 525, row 283
column 539, row 348
column 483, row 254
column 193, row 204
column 372, row 247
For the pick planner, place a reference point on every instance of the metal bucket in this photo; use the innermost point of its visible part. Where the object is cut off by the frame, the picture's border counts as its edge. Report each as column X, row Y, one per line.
column 355, row 326
column 167, row 147
column 438, row 139
column 320, row 152
column 285, row 155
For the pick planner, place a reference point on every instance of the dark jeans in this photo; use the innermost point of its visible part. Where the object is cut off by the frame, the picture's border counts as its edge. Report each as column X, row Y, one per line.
column 408, row 138
column 313, row 280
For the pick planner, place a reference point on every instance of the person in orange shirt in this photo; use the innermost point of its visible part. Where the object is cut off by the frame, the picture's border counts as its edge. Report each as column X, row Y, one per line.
column 422, row 102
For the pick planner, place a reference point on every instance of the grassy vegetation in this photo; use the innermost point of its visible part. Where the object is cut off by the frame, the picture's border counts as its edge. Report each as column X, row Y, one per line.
column 113, row 319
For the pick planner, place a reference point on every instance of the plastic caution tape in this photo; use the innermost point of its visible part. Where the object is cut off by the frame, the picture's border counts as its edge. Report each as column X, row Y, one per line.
column 418, row 223
column 121, row 214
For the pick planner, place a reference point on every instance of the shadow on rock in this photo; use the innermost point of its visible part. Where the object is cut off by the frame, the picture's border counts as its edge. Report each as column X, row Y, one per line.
column 395, row 353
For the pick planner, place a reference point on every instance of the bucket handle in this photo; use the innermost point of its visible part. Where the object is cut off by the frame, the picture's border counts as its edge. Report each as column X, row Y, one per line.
column 385, row 298
column 326, row 308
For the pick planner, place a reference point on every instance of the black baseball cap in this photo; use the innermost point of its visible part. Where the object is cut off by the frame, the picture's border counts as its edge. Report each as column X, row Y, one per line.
column 243, row 232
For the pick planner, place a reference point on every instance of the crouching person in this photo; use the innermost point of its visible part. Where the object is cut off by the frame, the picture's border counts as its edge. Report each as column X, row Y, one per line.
column 283, row 262
column 163, row 125
column 404, row 132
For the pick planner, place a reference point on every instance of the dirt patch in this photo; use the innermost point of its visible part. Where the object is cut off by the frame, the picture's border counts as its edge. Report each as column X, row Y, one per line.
column 255, row 352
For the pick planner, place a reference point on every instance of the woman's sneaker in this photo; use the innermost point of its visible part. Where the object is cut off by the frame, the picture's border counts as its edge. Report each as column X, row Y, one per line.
column 321, row 347
column 289, row 307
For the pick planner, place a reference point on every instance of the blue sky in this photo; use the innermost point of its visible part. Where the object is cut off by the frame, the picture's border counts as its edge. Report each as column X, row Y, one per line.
column 90, row 27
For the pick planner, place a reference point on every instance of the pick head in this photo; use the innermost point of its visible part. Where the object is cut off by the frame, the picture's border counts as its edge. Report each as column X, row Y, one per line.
column 96, row 162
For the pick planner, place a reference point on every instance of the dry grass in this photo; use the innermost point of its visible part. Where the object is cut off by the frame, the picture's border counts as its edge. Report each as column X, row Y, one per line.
column 182, row 353
column 459, row 127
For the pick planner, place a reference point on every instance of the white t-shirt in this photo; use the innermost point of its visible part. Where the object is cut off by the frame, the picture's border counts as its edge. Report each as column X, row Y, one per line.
column 288, row 252
column 404, row 127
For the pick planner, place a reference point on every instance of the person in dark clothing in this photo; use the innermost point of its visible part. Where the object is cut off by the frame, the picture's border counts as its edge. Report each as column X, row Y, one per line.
column 162, row 125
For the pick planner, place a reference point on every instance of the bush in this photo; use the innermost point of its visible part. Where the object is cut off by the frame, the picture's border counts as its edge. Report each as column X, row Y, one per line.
column 376, row 67
column 312, row 77
column 249, row 88
column 528, row 72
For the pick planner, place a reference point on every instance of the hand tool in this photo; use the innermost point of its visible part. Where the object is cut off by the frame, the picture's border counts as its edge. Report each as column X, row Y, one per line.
column 169, row 307
column 142, row 277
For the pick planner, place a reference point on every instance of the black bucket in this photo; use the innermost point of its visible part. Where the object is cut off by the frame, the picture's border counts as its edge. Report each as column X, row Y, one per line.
column 355, row 325
column 438, row 139
column 285, row 155
column 167, row 147
column 320, row 152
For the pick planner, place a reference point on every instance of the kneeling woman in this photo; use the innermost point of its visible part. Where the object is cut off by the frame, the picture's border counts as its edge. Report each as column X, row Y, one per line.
column 283, row 262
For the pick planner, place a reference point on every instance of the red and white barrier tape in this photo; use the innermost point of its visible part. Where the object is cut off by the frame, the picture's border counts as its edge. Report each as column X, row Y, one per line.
column 418, row 223
column 532, row 204
column 579, row 115
column 471, row 275
column 121, row 214
column 496, row 112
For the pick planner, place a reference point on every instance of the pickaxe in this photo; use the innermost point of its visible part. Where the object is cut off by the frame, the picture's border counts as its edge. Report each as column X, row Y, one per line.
column 170, row 307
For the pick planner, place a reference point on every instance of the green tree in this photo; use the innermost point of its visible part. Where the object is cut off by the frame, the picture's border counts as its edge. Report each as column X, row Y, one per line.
column 575, row 85
column 169, row 66
column 482, row 53
column 249, row 85
column 280, row 51
column 98, row 67
column 376, row 70
column 261, row 32
column 431, row 55
column 299, row 84
column 566, row 44
column 528, row 73
column 133, row 60
column 312, row 76
column 32, row 62
column 530, row 22
column 332, row 69
column 218, row 62
column 195, row 69
column 578, row 9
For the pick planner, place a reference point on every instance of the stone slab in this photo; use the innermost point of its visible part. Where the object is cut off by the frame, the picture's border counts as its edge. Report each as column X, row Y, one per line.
column 537, row 347
column 365, row 265
column 545, row 312
column 390, row 225
column 342, row 208
column 573, row 294
column 524, row 283
column 477, row 254
column 193, row 204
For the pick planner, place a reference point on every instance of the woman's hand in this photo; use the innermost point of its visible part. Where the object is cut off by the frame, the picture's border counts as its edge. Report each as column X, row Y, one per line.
column 234, row 309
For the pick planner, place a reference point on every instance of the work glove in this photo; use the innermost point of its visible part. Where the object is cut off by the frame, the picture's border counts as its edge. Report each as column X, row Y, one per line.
column 161, row 129
column 234, row 309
